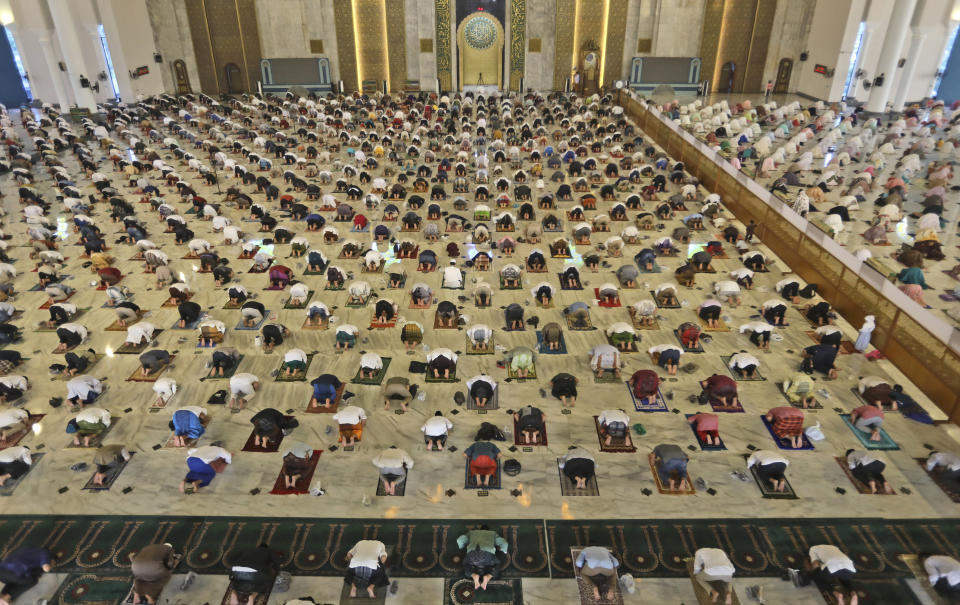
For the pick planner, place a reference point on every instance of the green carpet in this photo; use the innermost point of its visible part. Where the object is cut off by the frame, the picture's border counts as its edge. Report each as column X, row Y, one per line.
column 94, row 589
column 655, row 547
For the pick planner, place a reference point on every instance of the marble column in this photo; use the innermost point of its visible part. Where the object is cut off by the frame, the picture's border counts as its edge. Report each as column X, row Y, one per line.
column 909, row 68
column 890, row 54
column 46, row 44
column 64, row 24
column 120, row 67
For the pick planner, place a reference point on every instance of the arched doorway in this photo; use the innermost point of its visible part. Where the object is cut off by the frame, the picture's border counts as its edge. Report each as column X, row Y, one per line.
column 727, row 72
column 181, row 77
column 234, row 78
column 783, row 76
column 480, row 51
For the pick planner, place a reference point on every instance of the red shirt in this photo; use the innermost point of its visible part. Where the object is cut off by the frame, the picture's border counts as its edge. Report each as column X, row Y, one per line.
column 721, row 384
column 785, row 412
column 705, row 422
column 867, row 411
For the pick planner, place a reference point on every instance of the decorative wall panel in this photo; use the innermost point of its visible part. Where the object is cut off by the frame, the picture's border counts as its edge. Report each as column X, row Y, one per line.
column 372, row 44
column 203, row 49
column 762, row 26
column 444, row 61
column 518, row 41
column 346, row 48
column 616, row 33
column 563, row 53
column 710, row 39
column 226, row 42
column 249, row 40
column 396, row 43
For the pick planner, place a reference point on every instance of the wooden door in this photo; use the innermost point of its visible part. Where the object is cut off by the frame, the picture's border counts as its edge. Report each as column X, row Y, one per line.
column 782, row 82
column 181, row 77
column 727, row 73
column 234, row 78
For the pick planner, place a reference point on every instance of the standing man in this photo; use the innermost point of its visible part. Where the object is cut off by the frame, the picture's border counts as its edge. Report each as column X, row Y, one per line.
column 767, row 90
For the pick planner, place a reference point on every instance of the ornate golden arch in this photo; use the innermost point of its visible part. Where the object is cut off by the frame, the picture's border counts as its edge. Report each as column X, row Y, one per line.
column 480, row 40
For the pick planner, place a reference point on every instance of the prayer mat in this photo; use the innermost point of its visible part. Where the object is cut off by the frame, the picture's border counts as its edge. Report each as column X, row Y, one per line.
column 11, row 484
column 43, row 327
column 489, row 350
column 460, row 591
column 400, row 490
column 170, row 302
column 605, row 305
column 261, row 599
column 767, row 491
column 377, row 380
column 782, row 442
column 16, row 438
column 96, row 440
column 16, row 341
column 531, row 375
column 540, row 305
column 846, row 347
column 95, row 589
column 362, row 598
column 585, row 586
column 565, row 286
column 331, row 288
column 568, row 487
column 357, row 305
column 190, row 326
column 298, row 376
column 189, row 442
column 492, row 404
column 541, row 440
column 58, row 282
column 885, row 442
column 617, row 445
column 639, row 325
column 660, row 306
column 709, row 269
column 699, row 348
column 63, row 376
column 703, row 444
column 950, row 487
column 462, row 286
column 469, row 480
column 856, row 393
column 303, row 483
column 608, row 377
column 658, row 405
column 632, row 348
column 517, row 287
column 689, row 491
column 320, row 409
column 227, row 372
column 67, row 350
column 109, row 477
column 116, row 327
column 47, row 304
column 322, row 326
column 572, row 325
column 437, row 325
column 272, row 446
column 703, row 595
column 736, row 376
column 507, row 328
column 151, row 377
column 255, row 269
column 920, row 573
column 426, row 304
column 128, row 348
column 737, row 409
column 379, row 269
column 231, row 305
column 287, row 305
column 542, row 349
column 721, row 327
column 240, row 326
column 862, row 487
column 429, row 377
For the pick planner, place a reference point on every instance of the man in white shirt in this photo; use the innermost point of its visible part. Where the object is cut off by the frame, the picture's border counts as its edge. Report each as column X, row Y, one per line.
column 480, row 336
column 868, row 470
column 393, row 464
column 370, row 365
column 744, row 365
column 242, row 388
column 604, row 357
column 12, row 422
column 140, row 333
column 367, row 559
column 614, row 424
column 452, row 277
column 294, row 362
column 713, row 570
column 351, row 420
column 83, row 390
column 943, row 572
column 441, row 360
column 90, row 423
column 14, row 463
column 204, row 463
column 435, row 431
column 770, row 467
column 830, row 566
column 946, row 463
column 760, row 332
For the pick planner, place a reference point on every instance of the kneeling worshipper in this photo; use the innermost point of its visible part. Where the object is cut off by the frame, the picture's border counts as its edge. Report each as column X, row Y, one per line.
column 270, row 425
column 480, row 562
column 21, row 570
column 325, row 390
column 622, row 335
column 153, row 360
column 188, row 424
column 868, row 470
column 483, row 460
column 435, row 431
column 720, row 390
column 88, row 424
column 242, row 388
column 668, row 357
column 367, row 571
column 482, row 390
column 351, row 420
column 164, row 389
column 12, row 422
column 152, row 567
column 868, row 419
column 707, row 426
column 480, row 336
column 398, row 389
column 294, row 362
column 529, row 421
column 770, row 467
column 441, row 360
column 943, row 573
column 579, row 466
column 599, row 567
column 946, row 464
column 832, row 570
column 603, row 358
column 252, row 573
column 297, row 459
column 786, row 422
column 564, row 387
column 393, row 464
column 520, row 361
column 670, row 462
column 744, row 365
column 645, row 385
column 370, row 365
column 14, row 463
column 107, row 458
column 204, row 463
column 614, row 424
column 799, row 390
column 713, row 570
column 222, row 361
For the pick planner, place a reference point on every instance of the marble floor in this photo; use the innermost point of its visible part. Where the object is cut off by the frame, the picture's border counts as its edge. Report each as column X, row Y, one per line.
column 350, row 480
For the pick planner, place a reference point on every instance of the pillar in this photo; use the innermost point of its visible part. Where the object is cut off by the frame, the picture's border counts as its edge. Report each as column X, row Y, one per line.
column 120, row 66
column 909, row 68
column 70, row 44
column 46, row 44
column 26, row 61
column 899, row 26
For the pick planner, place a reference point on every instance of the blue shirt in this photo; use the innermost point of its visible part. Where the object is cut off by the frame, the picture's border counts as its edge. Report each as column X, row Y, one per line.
column 597, row 557
column 24, row 562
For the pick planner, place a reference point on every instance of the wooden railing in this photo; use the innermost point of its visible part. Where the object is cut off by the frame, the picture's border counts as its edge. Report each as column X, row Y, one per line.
column 921, row 345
